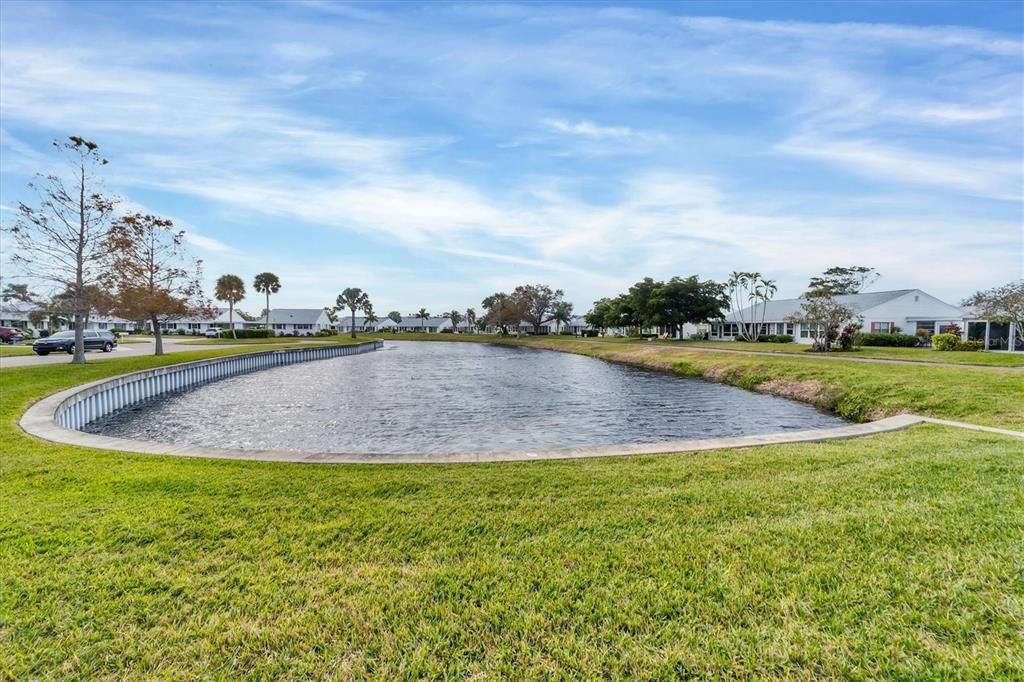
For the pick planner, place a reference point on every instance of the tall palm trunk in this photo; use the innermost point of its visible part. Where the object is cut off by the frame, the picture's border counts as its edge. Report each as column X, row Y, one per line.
column 268, row 309
column 231, row 318
column 353, row 327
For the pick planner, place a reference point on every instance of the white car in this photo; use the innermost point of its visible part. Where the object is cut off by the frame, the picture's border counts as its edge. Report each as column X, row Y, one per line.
column 213, row 333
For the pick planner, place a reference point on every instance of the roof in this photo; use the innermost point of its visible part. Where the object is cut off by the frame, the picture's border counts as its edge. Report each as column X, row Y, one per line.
column 782, row 309
column 346, row 320
column 412, row 321
column 294, row 315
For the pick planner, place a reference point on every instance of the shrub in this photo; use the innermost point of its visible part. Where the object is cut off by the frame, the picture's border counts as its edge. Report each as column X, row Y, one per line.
column 589, row 332
column 325, row 332
column 945, row 341
column 448, row 330
column 781, row 338
column 881, row 339
column 565, row 332
column 848, row 336
column 971, row 345
column 247, row 333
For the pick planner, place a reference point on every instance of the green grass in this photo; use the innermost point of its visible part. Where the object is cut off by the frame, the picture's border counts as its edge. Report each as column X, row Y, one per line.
column 7, row 350
column 895, row 556
column 907, row 354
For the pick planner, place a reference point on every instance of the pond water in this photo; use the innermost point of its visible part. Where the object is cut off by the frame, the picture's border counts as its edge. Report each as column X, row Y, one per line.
column 432, row 397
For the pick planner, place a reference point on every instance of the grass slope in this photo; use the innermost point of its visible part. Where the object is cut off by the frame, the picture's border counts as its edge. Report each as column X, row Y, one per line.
column 896, row 556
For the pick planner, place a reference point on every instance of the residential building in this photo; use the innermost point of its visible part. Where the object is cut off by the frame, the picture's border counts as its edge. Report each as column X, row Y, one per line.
column 294, row 321
column 344, row 324
column 902, row 310
column 433, row 325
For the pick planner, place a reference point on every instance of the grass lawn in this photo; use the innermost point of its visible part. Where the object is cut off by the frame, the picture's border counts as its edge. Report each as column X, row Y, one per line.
column 881, row 353
column 7, row 350
column 895, row 556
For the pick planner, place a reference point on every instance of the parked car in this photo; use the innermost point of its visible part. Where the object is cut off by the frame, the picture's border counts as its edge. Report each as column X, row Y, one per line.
column 65, row 341
column 213, row 333
column 10, row 335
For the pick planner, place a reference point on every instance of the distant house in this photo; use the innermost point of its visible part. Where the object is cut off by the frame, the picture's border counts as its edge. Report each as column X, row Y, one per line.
column 294, row 321
column 21, row 315
column 903, row 310
column 197, row 326
column 431, row 325
column 344, row 324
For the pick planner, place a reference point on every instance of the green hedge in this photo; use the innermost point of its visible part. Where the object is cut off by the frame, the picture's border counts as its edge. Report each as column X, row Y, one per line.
column 247, row 334
column 879, row 339
column 953, row 342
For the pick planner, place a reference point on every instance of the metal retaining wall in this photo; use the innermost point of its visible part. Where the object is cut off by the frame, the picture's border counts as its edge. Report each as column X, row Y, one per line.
column 120, row 392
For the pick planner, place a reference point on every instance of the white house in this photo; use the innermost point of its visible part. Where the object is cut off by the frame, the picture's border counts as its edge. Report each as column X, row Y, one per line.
column 903, row 310
column 197, row 326
column 21, row 315
column 296, row 321
column 433, row 325
column 344, row 324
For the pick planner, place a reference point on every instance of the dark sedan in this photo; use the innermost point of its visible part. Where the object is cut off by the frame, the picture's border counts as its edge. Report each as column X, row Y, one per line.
column 65, row 341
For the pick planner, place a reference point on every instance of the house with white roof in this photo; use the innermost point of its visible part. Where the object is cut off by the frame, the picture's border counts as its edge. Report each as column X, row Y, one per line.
column 294, row 321
column 902, row 310
column 197, row 326
column 432, row 325
column 34, row 319
column 344, row 324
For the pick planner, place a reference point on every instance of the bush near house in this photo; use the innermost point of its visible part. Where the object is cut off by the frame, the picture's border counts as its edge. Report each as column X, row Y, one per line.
column 881, row 339
column 326, row 332
column 247, row 334
column 953, row 342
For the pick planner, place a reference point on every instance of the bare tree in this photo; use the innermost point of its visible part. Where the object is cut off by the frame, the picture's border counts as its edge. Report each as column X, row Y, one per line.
column 153, row 276
column 61, row 241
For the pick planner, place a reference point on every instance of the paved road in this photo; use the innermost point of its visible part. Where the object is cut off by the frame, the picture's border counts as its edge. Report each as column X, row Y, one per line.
column 171, row 345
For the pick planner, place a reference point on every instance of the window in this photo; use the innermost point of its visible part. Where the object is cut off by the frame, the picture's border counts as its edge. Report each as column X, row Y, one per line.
column 89, row 335
column 278, row 326
column 195, row 325
column 810, row 330
column 728, row 330
column 784, row 328
column 881, row 327
column 102, row 325
column 303, row 326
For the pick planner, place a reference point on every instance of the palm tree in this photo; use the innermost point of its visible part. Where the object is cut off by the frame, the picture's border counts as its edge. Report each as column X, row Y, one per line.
column 352, row 298
column 470, row 318
column 455, row 316
column 562, row 314
column 765, row 291
column 231, row 290
column 371, row 317
column 267, row 283
column 424, row 316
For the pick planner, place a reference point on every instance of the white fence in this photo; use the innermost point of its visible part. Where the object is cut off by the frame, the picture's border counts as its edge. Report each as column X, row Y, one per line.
column 108, row 397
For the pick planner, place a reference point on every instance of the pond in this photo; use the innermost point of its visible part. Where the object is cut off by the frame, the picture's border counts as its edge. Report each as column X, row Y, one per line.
column 430, row 397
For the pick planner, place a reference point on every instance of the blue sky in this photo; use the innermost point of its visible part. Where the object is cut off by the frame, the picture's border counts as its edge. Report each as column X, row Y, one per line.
column 432, row 154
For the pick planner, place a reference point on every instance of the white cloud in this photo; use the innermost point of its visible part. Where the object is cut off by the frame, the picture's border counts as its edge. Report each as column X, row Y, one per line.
column 300, row 52
column 587, row 128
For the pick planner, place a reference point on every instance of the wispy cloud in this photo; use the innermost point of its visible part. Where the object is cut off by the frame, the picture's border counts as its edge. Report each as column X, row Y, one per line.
column 587, row 129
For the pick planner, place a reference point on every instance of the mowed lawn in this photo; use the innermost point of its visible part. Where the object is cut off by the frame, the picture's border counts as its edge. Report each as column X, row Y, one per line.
column 7, row 350
column 895, row 556
column 989, row 358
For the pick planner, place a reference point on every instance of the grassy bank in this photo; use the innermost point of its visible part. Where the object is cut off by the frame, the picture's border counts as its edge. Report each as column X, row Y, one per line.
column 7, row 350
column 273, row 341
column 878, row 353
column 894, row 556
